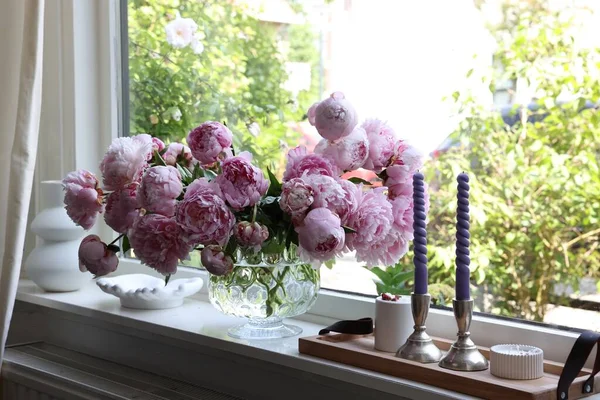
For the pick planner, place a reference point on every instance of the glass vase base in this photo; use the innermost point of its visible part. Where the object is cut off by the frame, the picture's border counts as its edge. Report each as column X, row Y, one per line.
column 253, row 332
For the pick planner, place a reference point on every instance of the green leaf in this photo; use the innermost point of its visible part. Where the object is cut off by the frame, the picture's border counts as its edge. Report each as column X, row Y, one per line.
column 402, row 277
column 381, row 274
column 198, row 172
column 357, row 180
column 158, row 160
column 291, row 236
column 211, row 175
column 274, row 186
column 167, row 279
column 269, row 200
column 231, row 248
column 186, row 176
column 126, row 246
column 348, row 229
column 330, row 263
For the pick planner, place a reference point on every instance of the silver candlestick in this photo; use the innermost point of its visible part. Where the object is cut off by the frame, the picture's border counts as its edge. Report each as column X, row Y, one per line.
column 419, row 346
column 464, row 355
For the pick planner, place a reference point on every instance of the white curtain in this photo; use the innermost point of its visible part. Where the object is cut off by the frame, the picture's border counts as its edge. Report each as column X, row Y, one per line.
column 21, row 44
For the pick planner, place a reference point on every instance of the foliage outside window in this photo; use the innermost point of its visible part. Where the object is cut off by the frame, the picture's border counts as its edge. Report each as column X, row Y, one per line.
column 534, row 169
column 536, row 190
column 238, row 75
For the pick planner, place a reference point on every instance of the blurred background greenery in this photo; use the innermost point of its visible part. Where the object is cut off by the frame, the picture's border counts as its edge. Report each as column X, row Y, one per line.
column 535, row 177
column 239, row 79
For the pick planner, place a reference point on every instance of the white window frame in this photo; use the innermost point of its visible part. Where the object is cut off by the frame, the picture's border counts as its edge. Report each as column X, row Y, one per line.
column 80, row 117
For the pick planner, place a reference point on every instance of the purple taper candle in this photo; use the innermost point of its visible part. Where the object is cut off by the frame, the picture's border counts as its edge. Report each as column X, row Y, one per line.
column 420, row 233
column 462, row 239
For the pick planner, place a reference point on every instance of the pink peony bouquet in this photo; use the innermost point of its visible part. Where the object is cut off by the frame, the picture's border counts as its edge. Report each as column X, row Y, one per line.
column 166, row 201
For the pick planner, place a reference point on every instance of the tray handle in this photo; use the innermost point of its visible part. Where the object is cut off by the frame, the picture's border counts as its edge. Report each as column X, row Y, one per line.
column 577, row 357
column 363, row 326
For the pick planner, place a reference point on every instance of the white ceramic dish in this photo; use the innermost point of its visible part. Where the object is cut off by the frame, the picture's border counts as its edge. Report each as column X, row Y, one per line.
column 147, row 292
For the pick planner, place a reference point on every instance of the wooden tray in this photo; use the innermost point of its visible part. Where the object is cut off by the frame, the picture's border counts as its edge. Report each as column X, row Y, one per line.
column 359, row 351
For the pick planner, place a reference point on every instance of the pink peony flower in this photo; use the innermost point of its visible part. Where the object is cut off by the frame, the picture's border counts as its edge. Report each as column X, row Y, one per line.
column 334, row 117
column 124, row 162
column 372, row 221
column 399, row 175
column 122, row 208
column 329, row 193
column 208, row 141
column 382, row 144
column 398, row 182
column 241, row 183
column 402, row 210
column 178, row 153
column 203, row 216
column 216, row 261
column 346, row 208
column 296, row 198
column 250, row 234
column 387, row 251
column 348, row 153
column 411, row 157
column 156, row 143
column 321, row 236
column 83, row 197
column 157, row 242
column 299, row 163
column 95, row 256
column 203, row 185
column 159, row 190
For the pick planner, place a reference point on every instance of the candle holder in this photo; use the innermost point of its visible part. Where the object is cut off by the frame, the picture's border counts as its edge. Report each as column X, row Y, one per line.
column 419, row 346
column 464, row 355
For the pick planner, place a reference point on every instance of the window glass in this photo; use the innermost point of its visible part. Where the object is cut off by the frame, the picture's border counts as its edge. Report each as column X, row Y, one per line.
column 504, row 90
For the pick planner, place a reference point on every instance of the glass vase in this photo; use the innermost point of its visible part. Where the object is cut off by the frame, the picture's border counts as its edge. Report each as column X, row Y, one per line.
column 265, row 288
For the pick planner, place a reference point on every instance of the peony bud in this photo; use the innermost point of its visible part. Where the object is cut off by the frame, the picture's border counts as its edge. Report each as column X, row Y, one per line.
column 178, row 153
column 216, row 261
column 251, row 234
column 95, row 256
column 334, row 117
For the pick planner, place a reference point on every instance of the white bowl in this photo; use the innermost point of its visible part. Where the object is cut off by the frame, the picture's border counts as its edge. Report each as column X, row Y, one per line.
column 147, row 292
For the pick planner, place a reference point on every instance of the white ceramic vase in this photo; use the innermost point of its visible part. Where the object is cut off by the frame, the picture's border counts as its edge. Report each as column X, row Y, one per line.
column 393, row 323
column 53, row 264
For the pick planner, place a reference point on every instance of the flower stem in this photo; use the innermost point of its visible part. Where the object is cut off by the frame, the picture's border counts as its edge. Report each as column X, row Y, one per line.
column 254, row 212
column 118, row 237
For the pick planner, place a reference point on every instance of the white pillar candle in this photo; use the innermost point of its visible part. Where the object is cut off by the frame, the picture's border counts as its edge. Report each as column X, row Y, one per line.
column 393, row 323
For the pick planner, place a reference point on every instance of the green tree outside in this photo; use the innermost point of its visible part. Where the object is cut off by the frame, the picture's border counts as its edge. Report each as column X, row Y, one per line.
column 238, row 79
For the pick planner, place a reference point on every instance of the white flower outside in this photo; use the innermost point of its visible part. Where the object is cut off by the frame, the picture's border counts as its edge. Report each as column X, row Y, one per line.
column 196, row 44
column 180, row 32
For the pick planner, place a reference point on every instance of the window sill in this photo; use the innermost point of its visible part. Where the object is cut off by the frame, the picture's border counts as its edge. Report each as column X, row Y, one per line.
column 208, row 328
column 485, row 330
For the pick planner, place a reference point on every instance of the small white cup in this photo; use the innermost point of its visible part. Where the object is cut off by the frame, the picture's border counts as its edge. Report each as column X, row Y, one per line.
column 393, row 323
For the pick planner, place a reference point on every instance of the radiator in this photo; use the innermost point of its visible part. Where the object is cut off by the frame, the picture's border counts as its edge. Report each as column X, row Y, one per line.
column 44, row 372
column 13, row 390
